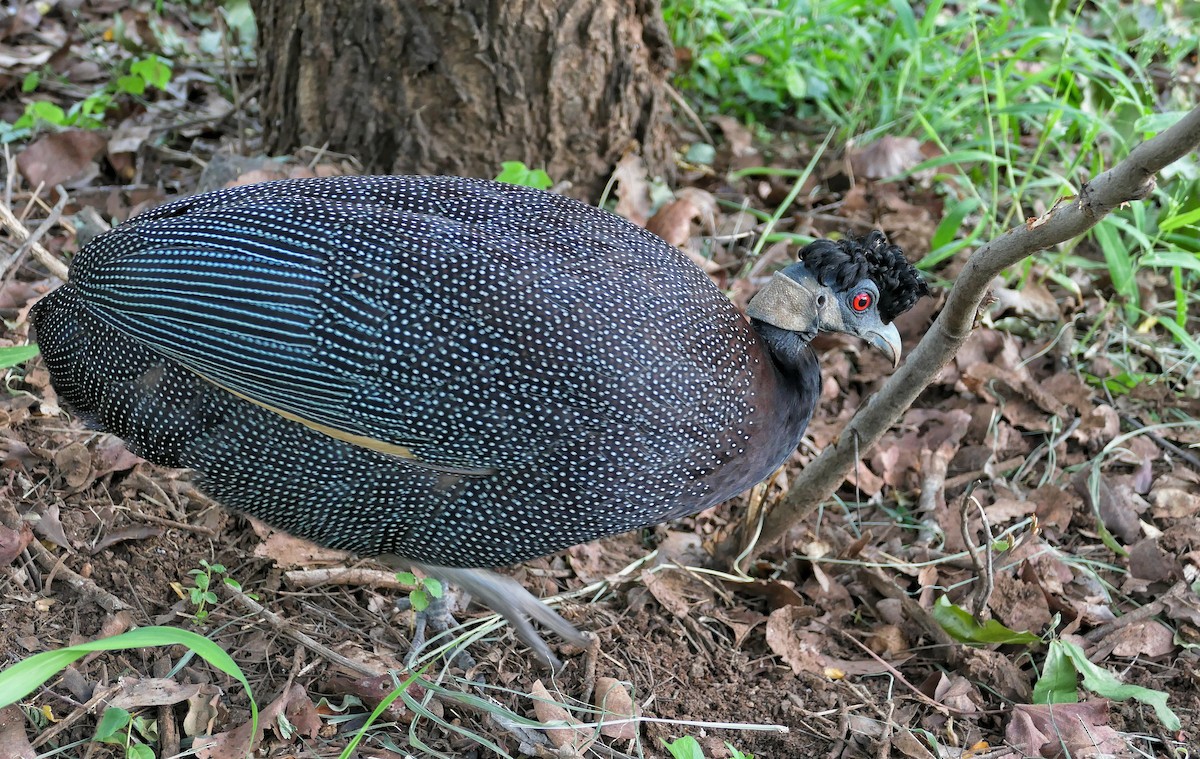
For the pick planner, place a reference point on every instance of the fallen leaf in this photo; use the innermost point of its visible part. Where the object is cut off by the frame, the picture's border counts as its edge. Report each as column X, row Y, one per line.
column 800, row 650
column 614, row 703
column 13, row 542
column 14, row 744
column 632, row 190
column 677, row 590
column 550, row 712
column 1064, row 730
column 886, row 157
column 1148, row 638
column 74, row 463
column 238, row 742
column 61, row 157
column 135, row 692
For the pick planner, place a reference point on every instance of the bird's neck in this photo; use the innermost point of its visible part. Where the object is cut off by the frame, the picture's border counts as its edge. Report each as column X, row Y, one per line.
column 791, row 352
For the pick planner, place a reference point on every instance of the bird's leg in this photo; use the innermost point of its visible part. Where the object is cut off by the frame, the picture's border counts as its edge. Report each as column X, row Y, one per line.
column 509, row 599
column 438, row 618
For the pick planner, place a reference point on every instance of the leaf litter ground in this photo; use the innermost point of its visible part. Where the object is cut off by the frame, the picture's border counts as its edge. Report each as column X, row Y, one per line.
column 1028, row 438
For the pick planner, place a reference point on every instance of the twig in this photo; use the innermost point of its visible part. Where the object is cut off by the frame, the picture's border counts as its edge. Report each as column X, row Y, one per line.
column 1137, row 615
column 354, row 576
column 1163, row 443
column 1131, row 179
column 678, row 100
column 199, row 530
column 168, row 728
column 83, row 586
column 281, row 625
column 985, row 569
column 33, row 239
column 18, row 230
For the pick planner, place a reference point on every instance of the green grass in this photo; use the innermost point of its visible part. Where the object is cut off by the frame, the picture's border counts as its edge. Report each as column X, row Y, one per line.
column 1024, row 101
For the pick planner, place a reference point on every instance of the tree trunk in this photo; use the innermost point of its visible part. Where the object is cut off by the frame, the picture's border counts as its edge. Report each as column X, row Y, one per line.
column 438, row 87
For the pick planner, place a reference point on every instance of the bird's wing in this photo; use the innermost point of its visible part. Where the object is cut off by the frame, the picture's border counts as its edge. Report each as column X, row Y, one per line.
column 465, row 324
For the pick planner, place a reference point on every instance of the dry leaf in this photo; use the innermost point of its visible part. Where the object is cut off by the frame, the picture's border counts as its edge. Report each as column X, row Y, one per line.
column 154, row 691
column 632, row 190
column 1148, row 638
column 886, row 157
column 64, row 158
column 800, row 650
column 549, row 711
column 614, row 703
column 1064, row 730
column 14, row 744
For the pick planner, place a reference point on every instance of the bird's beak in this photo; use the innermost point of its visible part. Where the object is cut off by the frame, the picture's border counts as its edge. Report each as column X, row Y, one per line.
column 886, row 339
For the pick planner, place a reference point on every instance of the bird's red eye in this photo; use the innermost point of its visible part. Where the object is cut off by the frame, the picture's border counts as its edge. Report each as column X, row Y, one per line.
column 861, row 301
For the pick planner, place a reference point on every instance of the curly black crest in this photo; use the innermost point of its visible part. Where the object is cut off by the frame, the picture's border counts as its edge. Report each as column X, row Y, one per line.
column 841, row 264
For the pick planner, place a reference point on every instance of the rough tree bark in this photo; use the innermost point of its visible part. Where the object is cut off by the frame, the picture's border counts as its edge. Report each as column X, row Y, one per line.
column 428, row 86
column 1132, row 179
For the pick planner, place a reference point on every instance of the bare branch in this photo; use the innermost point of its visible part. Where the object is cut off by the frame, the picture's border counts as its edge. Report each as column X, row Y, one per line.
column 1131, row 179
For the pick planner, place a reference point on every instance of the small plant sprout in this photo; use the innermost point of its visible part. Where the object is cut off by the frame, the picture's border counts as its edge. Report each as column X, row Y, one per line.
column 424, row 589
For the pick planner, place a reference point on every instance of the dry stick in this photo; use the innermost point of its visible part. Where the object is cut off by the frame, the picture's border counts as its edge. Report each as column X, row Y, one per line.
column 35, row 237
column 15, row 228
column 1131, row 179
column 281, row 625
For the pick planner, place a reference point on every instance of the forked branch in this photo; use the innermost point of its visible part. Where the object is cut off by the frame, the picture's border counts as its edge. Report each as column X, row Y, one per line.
column 1130, row 180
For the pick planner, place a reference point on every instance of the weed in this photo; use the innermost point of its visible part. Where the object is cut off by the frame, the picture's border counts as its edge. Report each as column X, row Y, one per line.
column 516, row 172
column 1023, row 102
column 424, row 589
column 201, row 594
column 120, row 728
column 141, row 74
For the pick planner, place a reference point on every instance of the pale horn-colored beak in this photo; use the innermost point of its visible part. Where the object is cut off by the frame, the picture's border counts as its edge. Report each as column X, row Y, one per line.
column 886, row 339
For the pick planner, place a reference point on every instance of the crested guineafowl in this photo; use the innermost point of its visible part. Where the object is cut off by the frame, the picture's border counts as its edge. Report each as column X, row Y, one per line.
column 460, row 373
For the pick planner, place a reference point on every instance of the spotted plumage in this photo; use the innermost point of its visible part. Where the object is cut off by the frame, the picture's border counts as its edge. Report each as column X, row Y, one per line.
column 459, row 372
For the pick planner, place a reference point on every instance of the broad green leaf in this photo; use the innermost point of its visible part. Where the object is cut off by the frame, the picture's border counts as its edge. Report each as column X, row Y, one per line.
column 154, row 70
column 963, row 627
column 114, row 720
column 686, row 747
column 516, row 172
column 1057, row 685
column 16, row 354
column 1104, row 683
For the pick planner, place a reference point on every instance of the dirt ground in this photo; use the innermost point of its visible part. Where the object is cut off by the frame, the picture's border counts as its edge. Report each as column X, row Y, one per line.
column 1082, row 526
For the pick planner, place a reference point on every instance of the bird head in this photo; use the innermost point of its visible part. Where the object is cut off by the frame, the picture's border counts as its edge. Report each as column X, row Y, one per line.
column 853, row 286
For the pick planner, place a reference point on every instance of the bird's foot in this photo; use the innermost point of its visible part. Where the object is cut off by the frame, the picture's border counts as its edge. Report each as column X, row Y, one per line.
column 511, row 600
column 438, row 619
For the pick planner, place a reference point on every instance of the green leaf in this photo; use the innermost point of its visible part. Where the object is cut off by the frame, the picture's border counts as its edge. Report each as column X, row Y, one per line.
column 154, row 70
column 139, row 751
column 419, row 599
column 113, row 721
column 516, row 172
column 735, row 754
column 406, row 578
column 1057, row 683
column 1104, row 683
column 133, row 85
column 16, row 354
column 1120, row 262
column 1182, row 220
column 794, row 81
column 947, row 230
column 701, row 154
column 434, row 586
column 686, row 747
column 24, row 677
column 31, row 81
column 963, row 627
column 42, row 110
